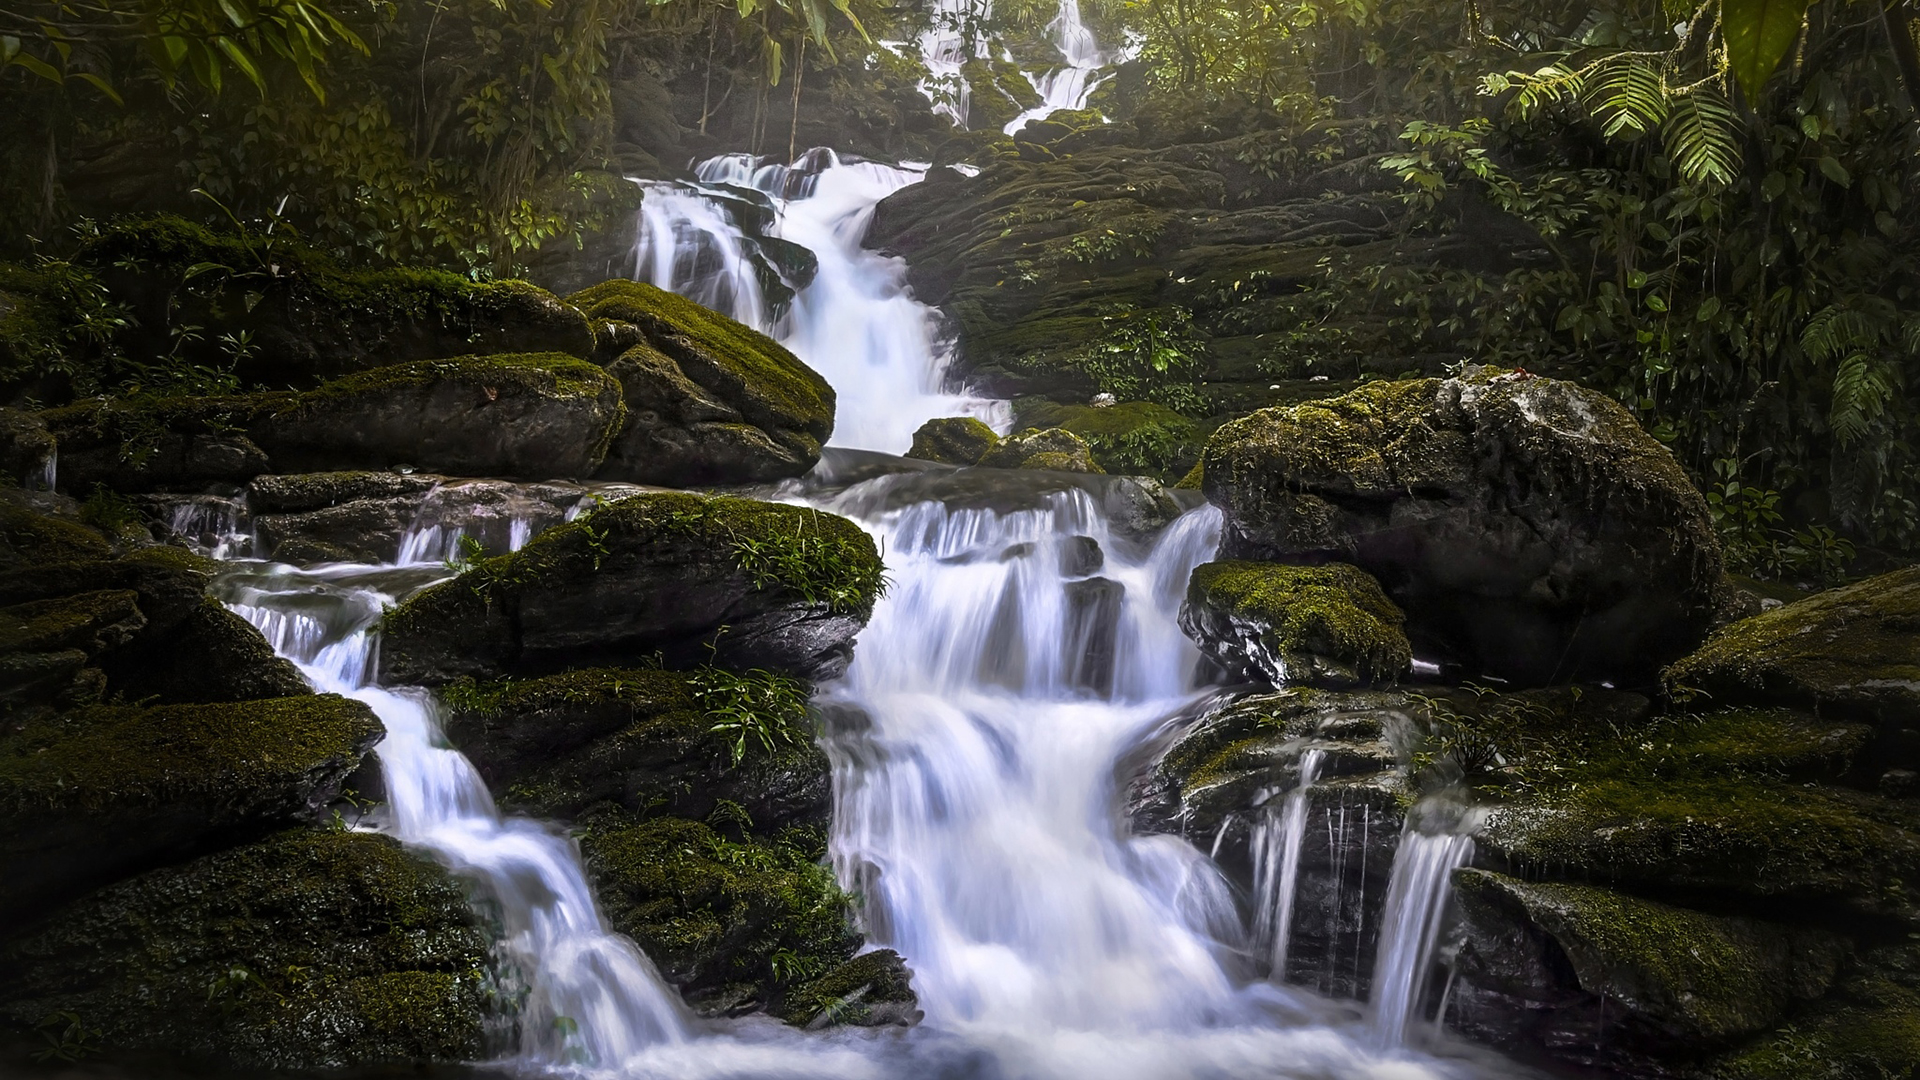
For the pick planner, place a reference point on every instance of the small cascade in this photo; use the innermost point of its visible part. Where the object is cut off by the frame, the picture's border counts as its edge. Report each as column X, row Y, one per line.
column 212, row 523
column 1067, row 86
column 855, row 321
column 1275, row 842
column 589, row 997
column 1415, row 915
column 951, row 39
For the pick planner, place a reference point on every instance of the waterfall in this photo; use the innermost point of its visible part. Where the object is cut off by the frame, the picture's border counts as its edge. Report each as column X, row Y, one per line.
column 1275, row 842
column 1067, row 86
column 855, row 322
column 1416, row 909
column 591, row 997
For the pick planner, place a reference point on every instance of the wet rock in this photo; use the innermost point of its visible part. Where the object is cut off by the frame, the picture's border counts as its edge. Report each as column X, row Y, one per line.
column 1137, row 438
column 738, row 923
column 424, row 522
column 953, row 440
column 1528, row 528
column 651, row 741
column 730, row 581
column 539, row 415
column 1093, row 621
column 709, row 401
column 1053, row 449
column 873, row 989
column 1852, row 653
column 305, row 492
column 1591, row 971
column 26, row 448
column 213, row 655
column 94, row 794
column 1080, row 556
column 305, row 950
column 1868, row 1027
column 1327, row 625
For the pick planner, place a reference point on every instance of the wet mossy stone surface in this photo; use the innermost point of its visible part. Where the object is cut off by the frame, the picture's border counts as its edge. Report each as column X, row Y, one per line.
column 304, row 950
column 1869, row 1027
column 648, row 740
column 1529, row 528
column 738, row 922
column 95, row 793
column 1669, row 979
column 213, row 655
column 1052, row 449
column 310, row 319
column 735, row 582
column 709, row 400
column 1851, row 652
column 874, row 989
column 538, row 415
column 1132, row 438
column 953, row 440
column 1327, row 625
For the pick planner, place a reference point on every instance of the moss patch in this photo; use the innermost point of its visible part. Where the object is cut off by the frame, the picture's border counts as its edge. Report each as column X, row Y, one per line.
column 306, row 950
column 953, row 440
column 1131, row 438
column 1052, row 449
column 1333, row 611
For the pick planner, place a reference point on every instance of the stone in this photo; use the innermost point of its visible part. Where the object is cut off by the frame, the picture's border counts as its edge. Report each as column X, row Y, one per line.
column 213, row 655
column 1327, row 625
column 1851, row 652
column 874, row 989
column 27, row 450
column 709, row 401
column 1052, row 449
column 1528, row 528
column 304, row 950
column 953, row 440
column 728, row 581
column 95, row 794
column 1566, row 962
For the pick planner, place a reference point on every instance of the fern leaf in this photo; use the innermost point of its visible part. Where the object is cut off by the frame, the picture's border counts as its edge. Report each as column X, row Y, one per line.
column 1703, row 137
column 1628, row 95
column 1861, row 390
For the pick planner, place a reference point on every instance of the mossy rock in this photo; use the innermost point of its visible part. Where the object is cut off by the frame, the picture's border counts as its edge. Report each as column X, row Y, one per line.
column 1130, row 438
column 100, row 792
column 539, row 415
column 29, row 538
column 302, row 492
column 650, row 740
column 873, row 989
column 711, row 400
column 1852, row 652
column 953, row 440
column 304, row 950
column 1528, row 527
column 1868, row 1030
column 736, row 582
column 307, row 319
column 1670, row 979
column 27, row 449
column 1053, row 450
column 734, row 921
column 213, row 655
column 1326, row 625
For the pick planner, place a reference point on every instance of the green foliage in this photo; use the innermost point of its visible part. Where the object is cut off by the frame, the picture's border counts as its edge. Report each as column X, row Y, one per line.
column 109, row 511
column 818, row 568
column 755, row 708
column 1148, row 355
column 67, row 1038
column 1758, row 34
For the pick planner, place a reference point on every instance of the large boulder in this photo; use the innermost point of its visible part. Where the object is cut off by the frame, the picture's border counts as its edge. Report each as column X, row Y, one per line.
column 377, row 517
column 1052, row 449
column 1528, row 527
column 709, row 400
column 649, row 740
column 1852, row 652
column 953, row 440
column 537, row 415
column 304, row 950
column 690, row 579
column 94, row 794
column 1573, row 961
column 1328, row 625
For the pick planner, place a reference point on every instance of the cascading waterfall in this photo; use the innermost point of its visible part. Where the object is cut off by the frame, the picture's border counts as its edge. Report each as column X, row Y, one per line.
column 1067, row 86
column 1275, row 840
column 856, row 322
column 1416, row 908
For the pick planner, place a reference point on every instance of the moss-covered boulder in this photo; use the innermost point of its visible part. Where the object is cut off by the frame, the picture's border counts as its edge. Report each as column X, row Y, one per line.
column 304, row 950
column 1053, row 450
column 709, row 400
column 1528, row 527
column 690, row 579
column 736, row 922
column 1327, row 625
column 649, row 740
column 1868, row 1028
column 1851, row 652
column 1570, row 960
column 873, row 989
column 538, row 415
column 953, row 440
column 304, row 318
column 1132, row 438
column 96, row 793
column 211, row 655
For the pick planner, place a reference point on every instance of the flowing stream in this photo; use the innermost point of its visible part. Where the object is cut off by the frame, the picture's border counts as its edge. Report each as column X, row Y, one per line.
column 1027, row 652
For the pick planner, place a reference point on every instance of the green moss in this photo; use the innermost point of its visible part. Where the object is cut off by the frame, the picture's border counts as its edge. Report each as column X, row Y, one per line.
column 1707, row 977
column 1870, row 1031
column 1060, row 451
column 1334, row 611
column 306, row 950
column 953, row 440
column 28, row 537
column 769, row 384
column 118, row 755
column 548, row 374
column 856, row 992
column 1133, row 438
column 1195, row 478
column 715, row 912
column 90, row 621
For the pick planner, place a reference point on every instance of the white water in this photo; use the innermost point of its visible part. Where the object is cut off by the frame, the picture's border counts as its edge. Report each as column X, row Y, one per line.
column 856, row 322
column 1275, row 842
column 1067, row 86
column 1410, row 929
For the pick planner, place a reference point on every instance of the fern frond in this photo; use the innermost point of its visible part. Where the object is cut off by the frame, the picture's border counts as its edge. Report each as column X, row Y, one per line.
column 1703, row 137
column 1861, row 391
column 1627, row 94
column 1835, row 331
